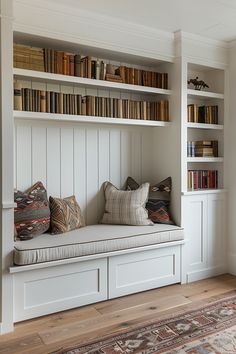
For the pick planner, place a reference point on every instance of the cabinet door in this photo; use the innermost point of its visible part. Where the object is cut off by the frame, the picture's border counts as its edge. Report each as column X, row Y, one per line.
column 195, row 228
column 216, row 230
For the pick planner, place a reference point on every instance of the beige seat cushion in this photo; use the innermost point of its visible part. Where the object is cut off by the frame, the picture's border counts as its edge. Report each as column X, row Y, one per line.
column 92, row 239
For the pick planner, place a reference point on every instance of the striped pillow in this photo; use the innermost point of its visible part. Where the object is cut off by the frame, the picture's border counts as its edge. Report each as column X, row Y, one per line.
column 125, row 207
column 66, row 215
column 32, row 214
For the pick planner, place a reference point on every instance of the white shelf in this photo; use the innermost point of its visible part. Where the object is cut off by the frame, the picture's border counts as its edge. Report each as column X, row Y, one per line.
column 86, row 119
column 84, row 82
column 205, row 94
column 204, row 191
column 205, row 159
column 205, row 126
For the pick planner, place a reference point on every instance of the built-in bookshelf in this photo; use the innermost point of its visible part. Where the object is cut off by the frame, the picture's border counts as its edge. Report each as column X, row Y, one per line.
column 204, row 131
column 90, row 89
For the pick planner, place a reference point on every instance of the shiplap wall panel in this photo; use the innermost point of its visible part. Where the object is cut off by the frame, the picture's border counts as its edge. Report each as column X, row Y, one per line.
column 92, row 175
column 24, row 156
column 67, row 162
column 39, row 155
column 103, row 166
column 136, row 142
column 115, row 162
column 126, row 155
column 54, row 161
column 76, row 159
column 80, row 167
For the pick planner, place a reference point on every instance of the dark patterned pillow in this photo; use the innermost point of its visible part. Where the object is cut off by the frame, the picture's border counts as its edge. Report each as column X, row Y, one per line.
column 66, row 215
column 158, row 203
column 32, row 214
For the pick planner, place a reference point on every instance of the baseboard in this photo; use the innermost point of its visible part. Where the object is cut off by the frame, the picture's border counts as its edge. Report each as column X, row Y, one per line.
column 232, row 263
column 4, row 329
column 206, row 273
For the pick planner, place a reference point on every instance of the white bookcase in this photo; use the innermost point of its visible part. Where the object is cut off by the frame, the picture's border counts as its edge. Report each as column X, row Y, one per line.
column 204, row 210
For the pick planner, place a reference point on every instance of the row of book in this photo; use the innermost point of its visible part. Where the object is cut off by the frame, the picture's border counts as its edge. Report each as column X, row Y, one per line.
column 202, row 179
column 60, row 62
column 202, row 148
column 202, row 114
column 56, row 102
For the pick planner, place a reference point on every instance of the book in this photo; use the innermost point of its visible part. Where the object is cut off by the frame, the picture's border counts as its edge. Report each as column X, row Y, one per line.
column 113, row 78
column 17, row 95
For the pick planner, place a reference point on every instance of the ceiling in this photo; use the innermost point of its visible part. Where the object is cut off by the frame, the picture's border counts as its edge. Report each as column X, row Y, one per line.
column 210, row 18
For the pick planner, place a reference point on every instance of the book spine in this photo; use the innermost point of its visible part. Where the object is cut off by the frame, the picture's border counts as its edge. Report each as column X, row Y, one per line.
column 72, row 65
column 17, row 96
column 42, row 101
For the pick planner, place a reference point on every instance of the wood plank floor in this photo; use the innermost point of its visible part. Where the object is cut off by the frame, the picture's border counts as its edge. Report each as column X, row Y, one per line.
column 51, row 333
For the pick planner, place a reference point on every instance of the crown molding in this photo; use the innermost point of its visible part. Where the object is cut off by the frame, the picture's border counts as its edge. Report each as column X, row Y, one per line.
column 90, row 29
column 181, row 35
column 107, row 22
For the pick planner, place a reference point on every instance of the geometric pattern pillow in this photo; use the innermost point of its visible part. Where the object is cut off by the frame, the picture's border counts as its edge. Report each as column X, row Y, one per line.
column 32, row 213
column 66, row 215
column 125, row 207
column 158, row 204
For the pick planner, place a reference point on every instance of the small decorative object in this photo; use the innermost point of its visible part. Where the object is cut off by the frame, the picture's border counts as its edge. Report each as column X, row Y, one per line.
column 198, row 84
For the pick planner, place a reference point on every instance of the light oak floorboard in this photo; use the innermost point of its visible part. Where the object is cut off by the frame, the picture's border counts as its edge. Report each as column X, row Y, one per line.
column 50, row 333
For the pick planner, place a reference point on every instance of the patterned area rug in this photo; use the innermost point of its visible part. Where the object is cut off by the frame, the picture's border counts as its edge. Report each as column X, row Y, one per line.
column 209, row 329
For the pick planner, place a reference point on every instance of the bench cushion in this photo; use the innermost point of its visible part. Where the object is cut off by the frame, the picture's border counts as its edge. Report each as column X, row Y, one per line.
column 91, row 240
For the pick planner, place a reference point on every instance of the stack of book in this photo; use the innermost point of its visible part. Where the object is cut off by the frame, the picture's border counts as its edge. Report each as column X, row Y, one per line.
column 64, row 63
column 202, row 179
column 29, row 58
column 202, row 114
column 202, row 148
column 56, row 102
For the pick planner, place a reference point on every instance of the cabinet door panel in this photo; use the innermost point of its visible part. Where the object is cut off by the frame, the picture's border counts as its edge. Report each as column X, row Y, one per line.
column 195, row 225
column 216, row 230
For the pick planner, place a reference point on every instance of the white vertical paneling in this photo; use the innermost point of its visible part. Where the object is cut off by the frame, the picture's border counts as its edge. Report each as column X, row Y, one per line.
column 71, row 159
column 14, row 155
column 80, row 167
column 136, row 156
column 125, row 156
column 24, row 153
column 39, row 155
column 67, row 162
column 103, row 166
column 92, row 175
column 53, row 161
column 115, row 155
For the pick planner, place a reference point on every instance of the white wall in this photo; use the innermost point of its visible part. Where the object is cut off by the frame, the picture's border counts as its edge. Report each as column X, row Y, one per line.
column 230, row 164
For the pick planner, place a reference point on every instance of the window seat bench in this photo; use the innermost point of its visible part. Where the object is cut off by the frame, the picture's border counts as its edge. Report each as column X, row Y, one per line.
column 58, row 272
column 93, row 239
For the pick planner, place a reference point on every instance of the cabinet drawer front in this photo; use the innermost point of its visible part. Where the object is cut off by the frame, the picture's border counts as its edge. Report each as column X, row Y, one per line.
column 143, row 270
column 49, row 290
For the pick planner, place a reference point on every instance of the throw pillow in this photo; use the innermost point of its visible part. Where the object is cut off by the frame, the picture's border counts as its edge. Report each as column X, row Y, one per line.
column 125, row 207
column 32, row 214
column 158, row 204
column 66, row 215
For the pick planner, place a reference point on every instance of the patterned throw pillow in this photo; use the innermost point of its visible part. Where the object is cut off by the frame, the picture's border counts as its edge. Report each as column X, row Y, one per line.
column 125, row 207
column 32, row 214
column 66, row 215
column 158, row 203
